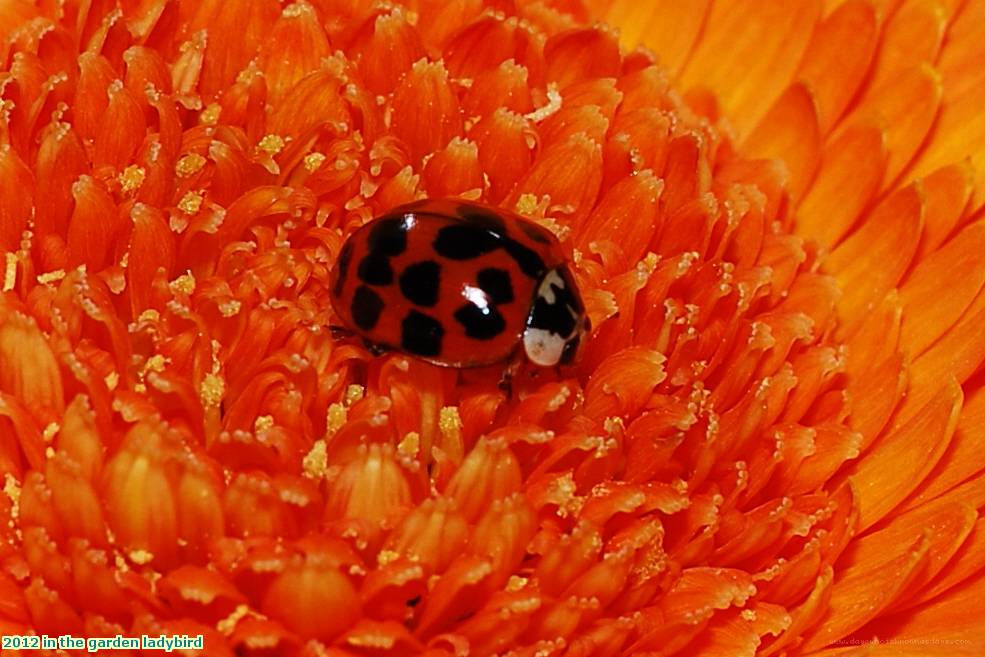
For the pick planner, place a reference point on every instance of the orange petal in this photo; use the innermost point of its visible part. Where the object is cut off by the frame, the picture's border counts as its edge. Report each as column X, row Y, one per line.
column 669, row 28
column 628, row 210
column 297, row 43
column 454, row 171
column 948, row 190
column 789, row 131
column 313, row 101
column 905, row 108
column 506, row 141
column 581, row 54
column 426, row 114
column 899, row 462
column 569, row 174
column 505, row 86
column 957, row 354
column 911, row 36
column 961, row 460
column 139, row 502
column 89, row 106
column 873, row 259
column 432, row 534
column 92, row 227
column 874, row 395
column 313, row 599
column 850, row 171
column 838, row 58
column 956, row 616
column 30, row 371
column 623, row 383
column 860, row 594
column 121, row 129
column 151, row 249
column 946, row 525
column 969, row 561
column 941, row 288
column 227, row 57
column 489, row 473
column 765, row 41
column 16, row 199
column 960, row 130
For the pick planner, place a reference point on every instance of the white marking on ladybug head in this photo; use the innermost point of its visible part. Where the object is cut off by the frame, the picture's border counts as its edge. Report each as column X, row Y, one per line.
column 543, row 347
column 545, row 291
column 556, row 324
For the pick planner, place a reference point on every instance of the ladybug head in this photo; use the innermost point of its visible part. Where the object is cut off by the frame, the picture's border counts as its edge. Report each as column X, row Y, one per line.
column 557, row 321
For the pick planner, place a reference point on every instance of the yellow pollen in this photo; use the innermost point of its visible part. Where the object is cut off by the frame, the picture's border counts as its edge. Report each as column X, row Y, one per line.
column 335, row 418
column 313, row 161
column 140, row 557
column 228, row 624
column 50, row 431
column 410, row 445
column 10, row 274
column 12, row 490
column 211, row 390
column 51, row 276
column 450, row 422
column 211, row 113
column 149, row 315
column 354, row 393
column 263, row 423
column 315, row 463
column 155, row 363
column 49, row 452
column 271, row 144
column 526, row 204
column 132, row 178
column 139, row 387
column 387, row 556
column 516, row 583
column 112, row 380
column 230, row 308
column 190, row 203
column 189, row 164
column 184, row 284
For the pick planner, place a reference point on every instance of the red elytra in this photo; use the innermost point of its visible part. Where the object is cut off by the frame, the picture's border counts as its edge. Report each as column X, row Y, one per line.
column 459, row 284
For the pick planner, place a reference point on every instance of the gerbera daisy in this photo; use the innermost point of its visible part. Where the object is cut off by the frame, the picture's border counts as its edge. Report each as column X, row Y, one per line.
column 769, row 447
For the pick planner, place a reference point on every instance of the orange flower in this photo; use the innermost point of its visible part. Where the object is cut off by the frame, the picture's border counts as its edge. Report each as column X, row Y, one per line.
column 770, row 447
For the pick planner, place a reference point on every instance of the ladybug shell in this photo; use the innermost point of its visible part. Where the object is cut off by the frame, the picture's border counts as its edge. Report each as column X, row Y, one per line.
column 449, row 281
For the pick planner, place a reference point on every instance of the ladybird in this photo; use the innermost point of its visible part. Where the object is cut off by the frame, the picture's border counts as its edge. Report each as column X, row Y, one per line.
column 459, row 284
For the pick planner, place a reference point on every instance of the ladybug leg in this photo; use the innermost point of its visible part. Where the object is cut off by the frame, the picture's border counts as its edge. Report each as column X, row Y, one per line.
column 374, row 348
column 339, row 332
column 509, row 372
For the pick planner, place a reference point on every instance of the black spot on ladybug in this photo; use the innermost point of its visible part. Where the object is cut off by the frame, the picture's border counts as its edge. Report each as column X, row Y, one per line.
column 527, row 259
column 419, row 282
column 536, row 233
column 366, row 308
column 480, row 323
column 464, row 242
column 554, row 317
column 342, row 267
column 483, row 218
column 496, row 283
column 388, row 237
column 375, row 269
column 421, row 334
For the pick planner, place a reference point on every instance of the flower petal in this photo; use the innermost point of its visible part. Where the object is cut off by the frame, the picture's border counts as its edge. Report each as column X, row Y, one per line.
column 764, row 47
column 873, row 259
column 838, row 58
column 897, row 464
column 789, row 131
